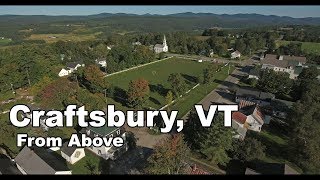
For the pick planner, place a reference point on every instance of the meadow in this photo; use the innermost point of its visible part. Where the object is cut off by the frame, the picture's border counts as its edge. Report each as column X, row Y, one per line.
column 157, row 74
column 308, row 47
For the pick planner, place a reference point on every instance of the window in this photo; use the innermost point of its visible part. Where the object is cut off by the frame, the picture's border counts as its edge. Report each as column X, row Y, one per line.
column 118, row 132
column 77, row 155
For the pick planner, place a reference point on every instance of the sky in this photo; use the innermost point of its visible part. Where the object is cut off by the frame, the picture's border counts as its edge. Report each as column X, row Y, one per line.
column 292, row 11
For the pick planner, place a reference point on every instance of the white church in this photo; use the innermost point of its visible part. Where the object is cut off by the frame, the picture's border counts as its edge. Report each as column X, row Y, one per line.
column 158, row 48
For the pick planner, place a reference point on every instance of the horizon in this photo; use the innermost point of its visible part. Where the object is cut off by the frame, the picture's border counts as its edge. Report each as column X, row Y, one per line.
column 289, row 11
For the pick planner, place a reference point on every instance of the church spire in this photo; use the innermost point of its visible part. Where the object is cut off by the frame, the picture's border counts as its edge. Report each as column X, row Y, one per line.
column 164, row 40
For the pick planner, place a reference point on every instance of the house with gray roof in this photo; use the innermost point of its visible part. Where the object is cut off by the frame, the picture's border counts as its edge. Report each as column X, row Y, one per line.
column 35, row 160
column 111, row 152
column 249, row 94
column 290, row 64
column 72, row 154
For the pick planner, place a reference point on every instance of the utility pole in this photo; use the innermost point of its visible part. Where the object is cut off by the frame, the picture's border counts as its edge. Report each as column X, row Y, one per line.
column 105, row 95
column 28, row 77
column 77, row 79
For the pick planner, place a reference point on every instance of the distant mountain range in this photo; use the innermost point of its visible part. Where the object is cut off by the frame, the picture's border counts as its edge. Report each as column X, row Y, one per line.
column 178, row 21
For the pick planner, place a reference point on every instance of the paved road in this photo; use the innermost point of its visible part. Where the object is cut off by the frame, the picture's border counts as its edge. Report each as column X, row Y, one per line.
column 221, row 94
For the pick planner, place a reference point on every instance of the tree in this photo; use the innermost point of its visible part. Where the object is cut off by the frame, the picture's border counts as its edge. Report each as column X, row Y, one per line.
column 213, row 142
column 131, row 139
column 161, row 55
column 208, row 74
column 177, row 83
column 305, row 125
column 275, row 82
column 138, row 92
column 93, row 79
column 55, row 95
column 169, row 156
column 309, row 73
column 216, row 141
column 248, row 149
column 169, row 98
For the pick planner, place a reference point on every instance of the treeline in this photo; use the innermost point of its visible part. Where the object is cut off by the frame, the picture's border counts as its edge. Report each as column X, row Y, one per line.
column 302, row 33
column 28, row 64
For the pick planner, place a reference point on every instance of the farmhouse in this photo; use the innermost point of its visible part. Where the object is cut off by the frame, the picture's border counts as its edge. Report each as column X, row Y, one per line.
column 72, row 154
column 237, row 123
column 235, row 54
column 111, row 152
column 158, row 48
column 102, row 62
column 35, row 160
column 71, row 67
column 289, row 64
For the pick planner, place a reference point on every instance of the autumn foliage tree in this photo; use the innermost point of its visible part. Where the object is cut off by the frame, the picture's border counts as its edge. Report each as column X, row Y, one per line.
column 93, row 79
column 169, row 156
column 55, row 95
column 138, row 92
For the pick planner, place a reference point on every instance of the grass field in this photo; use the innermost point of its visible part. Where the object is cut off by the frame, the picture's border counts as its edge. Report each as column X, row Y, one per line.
column 308, row 47
column 4, row 41
column 157, row 75
column 63, row 37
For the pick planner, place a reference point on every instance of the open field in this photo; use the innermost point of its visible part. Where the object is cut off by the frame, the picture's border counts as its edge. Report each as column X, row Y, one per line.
column 50, row 38
column 309, row 47
column 157, row 75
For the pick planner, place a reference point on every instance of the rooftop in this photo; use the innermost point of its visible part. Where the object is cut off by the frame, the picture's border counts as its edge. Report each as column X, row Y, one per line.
column 239, row 117
column 35, row 160
column 104, row 130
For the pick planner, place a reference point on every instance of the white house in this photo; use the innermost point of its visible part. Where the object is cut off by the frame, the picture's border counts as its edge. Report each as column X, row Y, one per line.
column 64, row 72
column 105, row 131
column 238, row 124
column 158, row 48
column 102, row 62
column 70, row 68
column 200, row 60
column 290, row 64
column 136, row 43
column 72, row 154
column 35, row 160
column 235, row 54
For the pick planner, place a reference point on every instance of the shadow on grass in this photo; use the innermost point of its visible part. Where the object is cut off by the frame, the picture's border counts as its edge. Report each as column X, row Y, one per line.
column 120, row 96
column 154, row 101
column 190, row 78
column 159, row 88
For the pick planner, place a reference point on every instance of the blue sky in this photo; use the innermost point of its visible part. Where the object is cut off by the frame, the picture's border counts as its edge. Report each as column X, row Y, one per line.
column 293, row 11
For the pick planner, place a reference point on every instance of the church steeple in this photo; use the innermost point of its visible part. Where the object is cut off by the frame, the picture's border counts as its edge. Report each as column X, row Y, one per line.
column 164, row 40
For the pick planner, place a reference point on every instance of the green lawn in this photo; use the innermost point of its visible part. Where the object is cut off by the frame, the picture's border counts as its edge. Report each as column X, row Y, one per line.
column 157, row 75
column 308, row 47
column 4, row 41
column 89, row 164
